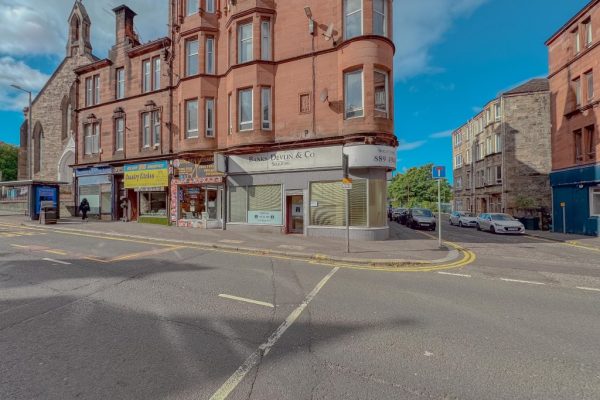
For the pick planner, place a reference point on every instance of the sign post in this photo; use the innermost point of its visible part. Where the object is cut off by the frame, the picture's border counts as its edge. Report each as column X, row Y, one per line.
column 439, row 173
column 347, row 186
column 563, row 205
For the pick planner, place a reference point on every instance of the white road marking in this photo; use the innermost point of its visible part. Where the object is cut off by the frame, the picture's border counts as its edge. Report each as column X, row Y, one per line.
column 245, row 300
column 520, row 281
column 591, row 289
column 450, row 273
column 265, row 348
column 56, row 261
column 231, row 241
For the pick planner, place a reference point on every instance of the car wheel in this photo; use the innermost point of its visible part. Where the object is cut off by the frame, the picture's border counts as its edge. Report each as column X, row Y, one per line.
column 478, row 227
column 492, row 229
column 460, row 224
column 451, row 224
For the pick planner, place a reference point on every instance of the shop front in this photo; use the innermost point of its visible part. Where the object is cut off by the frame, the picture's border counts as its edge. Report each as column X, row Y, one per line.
column 146, row 184
column 95, row 185
column 300, row 192
column 197, row 194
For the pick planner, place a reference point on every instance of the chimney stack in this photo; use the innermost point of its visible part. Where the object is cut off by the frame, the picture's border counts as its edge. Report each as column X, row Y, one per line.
column 124, row 25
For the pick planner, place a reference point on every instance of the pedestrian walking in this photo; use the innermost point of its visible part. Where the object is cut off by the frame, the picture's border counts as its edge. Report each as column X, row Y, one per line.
column 84, row 207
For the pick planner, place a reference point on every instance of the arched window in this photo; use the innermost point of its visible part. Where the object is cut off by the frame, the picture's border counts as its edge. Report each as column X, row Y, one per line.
column 65, row 110
column 75, row 29
column 38, row 137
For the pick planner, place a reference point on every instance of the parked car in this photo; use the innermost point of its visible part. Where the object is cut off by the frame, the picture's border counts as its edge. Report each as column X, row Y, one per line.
column 399, row 214
column 421, row 218
column 462, row 218
column 499, row 223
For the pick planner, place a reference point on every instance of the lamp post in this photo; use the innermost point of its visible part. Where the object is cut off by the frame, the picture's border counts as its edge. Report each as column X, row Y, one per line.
column 29, row 138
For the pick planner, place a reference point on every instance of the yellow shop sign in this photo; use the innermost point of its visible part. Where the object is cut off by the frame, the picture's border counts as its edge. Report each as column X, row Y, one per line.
column 153, row 174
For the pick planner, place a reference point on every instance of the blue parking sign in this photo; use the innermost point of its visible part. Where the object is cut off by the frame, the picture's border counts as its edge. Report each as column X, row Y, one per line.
column 438, row 172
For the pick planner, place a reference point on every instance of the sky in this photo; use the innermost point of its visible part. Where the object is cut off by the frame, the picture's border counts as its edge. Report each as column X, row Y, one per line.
column 452, row 57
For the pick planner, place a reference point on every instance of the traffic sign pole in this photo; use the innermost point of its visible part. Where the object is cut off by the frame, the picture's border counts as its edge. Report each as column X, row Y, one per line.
column 440, row 212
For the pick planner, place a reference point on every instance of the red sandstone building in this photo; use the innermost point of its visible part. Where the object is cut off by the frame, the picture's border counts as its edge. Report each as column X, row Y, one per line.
column 242, row 116
column 574, row 57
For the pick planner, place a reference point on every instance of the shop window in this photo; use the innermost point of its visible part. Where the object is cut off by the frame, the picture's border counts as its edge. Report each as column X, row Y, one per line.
column 377, row 202
column 380, row 17
column 153, row 203
column 265, row 40
column 245, row 109
column 210, row 55
column 238, row 200
column 595, row 202
column 353, row 89
column 191, row 119
column 120, row 83
column 381, row 94
column 266, row 108
column 91, row 139
column 191, row 57
column 210, row 117
column 259, row 205
column 328, row 201
column 119, row 133
column 353, row 18
column 245, row 43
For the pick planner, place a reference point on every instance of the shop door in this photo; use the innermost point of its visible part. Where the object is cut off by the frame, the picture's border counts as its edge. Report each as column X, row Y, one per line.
column 295, row 214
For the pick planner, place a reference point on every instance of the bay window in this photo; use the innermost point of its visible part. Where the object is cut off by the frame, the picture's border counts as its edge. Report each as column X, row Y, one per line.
column 245, row 109
column 265, row 40
column 191, row 56
column 210, row 6
column 192, row 7
column 380, row 17
column 352, row 18
column 210, row 117
column 353, row 94
column 245, row 43
column 191, row 119
column 266, row 108
column 210, row 55
column 381, row 94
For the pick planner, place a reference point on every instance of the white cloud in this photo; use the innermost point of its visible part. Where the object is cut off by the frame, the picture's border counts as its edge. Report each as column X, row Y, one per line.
column 40, row 26
column 17, row 72
column 440, row 135
column 407, row 146
column 418, row 25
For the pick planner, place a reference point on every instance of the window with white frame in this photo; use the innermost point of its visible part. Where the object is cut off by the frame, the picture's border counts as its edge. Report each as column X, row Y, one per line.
column 210, row 6
column 589, row 80
column 488, row 115
column 120, row 83
column 119, row 133
column 265, row 40
column 191, row 119
column 192, row 7
column 210, row 55
column 156, row 73
column 353, row 89
column 96, row 89
column 89, row 92
column 381, row 94
column 459, row 182
column 588, row 32
column 497, row 111
column 577, row 90
column 229, row 114
column 265, row 101
column 156, row 127
column 577, row 40
column 468, row 156
column 146, row 129
column 488, row 146
column 353, row 19
column 498, row 173
column 595, row 202
column 380, row 17
column 91, row 138
column 191, row 57
column 498, row 140
column 209, row 117
column 458, row 159
column 245, row 109
column 245, row 43
column 147, row 78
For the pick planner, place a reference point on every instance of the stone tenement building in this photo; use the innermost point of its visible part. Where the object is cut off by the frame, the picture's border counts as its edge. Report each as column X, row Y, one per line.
column 277, row 92
column 573, row 58
column 53, row 111
column 502, row 156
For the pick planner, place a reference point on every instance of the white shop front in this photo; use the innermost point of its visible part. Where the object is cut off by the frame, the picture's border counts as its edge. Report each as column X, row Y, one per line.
column 299, row 191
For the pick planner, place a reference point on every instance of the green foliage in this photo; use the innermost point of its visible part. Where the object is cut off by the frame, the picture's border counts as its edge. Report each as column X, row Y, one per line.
column 416, row 188
column 525, row 203
column 9, row 161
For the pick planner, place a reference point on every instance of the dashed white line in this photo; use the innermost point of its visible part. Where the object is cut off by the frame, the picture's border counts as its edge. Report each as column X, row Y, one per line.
column 245, row 300
column 264, row 348
column 520, row 281
column 452, row 274
column 590, row 289
column 56, row 261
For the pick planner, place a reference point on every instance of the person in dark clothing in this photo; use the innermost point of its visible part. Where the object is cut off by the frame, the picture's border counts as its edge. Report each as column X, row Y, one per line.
column 84, row 207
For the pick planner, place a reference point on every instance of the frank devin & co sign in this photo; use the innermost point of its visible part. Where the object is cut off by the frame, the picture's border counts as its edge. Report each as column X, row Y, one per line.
column 310, row 158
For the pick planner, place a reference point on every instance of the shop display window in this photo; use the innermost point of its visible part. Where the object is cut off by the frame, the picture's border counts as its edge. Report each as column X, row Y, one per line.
column 153, row 203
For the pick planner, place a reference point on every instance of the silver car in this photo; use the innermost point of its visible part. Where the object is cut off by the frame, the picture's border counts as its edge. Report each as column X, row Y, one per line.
column 462, row 218
column 499, row 223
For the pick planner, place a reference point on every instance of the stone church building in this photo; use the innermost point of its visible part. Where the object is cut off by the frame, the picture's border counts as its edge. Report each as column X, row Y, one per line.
column 53, row 112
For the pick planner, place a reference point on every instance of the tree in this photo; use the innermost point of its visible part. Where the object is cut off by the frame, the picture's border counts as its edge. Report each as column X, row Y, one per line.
column 417, row 188
column 9, row 161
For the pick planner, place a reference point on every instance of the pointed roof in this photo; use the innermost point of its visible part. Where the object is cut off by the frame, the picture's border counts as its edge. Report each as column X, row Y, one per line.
column 78, row 6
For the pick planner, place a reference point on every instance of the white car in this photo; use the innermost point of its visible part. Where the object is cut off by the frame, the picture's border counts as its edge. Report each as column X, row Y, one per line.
column 499, row 223
column 462, row 218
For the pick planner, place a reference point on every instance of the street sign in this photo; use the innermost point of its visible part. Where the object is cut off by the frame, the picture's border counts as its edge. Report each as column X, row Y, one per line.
column 347, row 186
column 563, row 204
column 346, row 180
column 438, row 172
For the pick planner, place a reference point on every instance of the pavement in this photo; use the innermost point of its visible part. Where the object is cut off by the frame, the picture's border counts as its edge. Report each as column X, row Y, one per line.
column 403, row 251
column 89, row 316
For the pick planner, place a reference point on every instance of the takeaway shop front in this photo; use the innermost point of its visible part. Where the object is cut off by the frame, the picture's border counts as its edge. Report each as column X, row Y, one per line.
column 197, row 193
column 146, row 184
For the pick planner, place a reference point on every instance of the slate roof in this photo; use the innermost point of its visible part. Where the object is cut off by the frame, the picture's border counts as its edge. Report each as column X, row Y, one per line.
column 532, row 86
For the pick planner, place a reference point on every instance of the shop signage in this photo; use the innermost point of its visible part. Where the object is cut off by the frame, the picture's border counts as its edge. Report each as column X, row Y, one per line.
column 371, row 156
column 309, row 158
column 92, row 171
column 192, row 169
column 153, row 174
column 265, row 217
column 149, row 189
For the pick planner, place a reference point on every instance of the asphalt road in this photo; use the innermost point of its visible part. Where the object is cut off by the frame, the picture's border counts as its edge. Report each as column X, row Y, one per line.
column 85, row 317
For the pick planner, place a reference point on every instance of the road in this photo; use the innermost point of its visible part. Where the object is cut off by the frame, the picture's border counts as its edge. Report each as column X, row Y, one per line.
column 91, row 317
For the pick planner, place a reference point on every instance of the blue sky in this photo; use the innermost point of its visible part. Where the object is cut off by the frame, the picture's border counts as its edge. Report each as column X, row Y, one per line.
column 452, row 57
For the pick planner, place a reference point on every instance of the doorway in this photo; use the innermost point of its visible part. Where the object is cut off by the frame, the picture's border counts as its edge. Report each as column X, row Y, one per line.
column 295, row 214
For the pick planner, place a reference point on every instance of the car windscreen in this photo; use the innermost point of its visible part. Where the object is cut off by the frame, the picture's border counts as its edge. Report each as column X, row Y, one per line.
column 467, row 215
column 502, row 217
column 422, row 213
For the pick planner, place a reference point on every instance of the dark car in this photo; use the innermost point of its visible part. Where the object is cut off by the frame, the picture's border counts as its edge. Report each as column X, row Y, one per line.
column 421, row 218
column 398, row 213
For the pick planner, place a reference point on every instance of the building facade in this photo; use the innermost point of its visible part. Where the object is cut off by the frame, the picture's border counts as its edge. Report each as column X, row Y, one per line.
column 242, row 116
column 574, row 58
column 53, row 116
column 502, row 155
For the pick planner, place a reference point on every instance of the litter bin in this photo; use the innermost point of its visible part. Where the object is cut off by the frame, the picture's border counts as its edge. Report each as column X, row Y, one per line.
column 531, row 224
column 48, row 213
